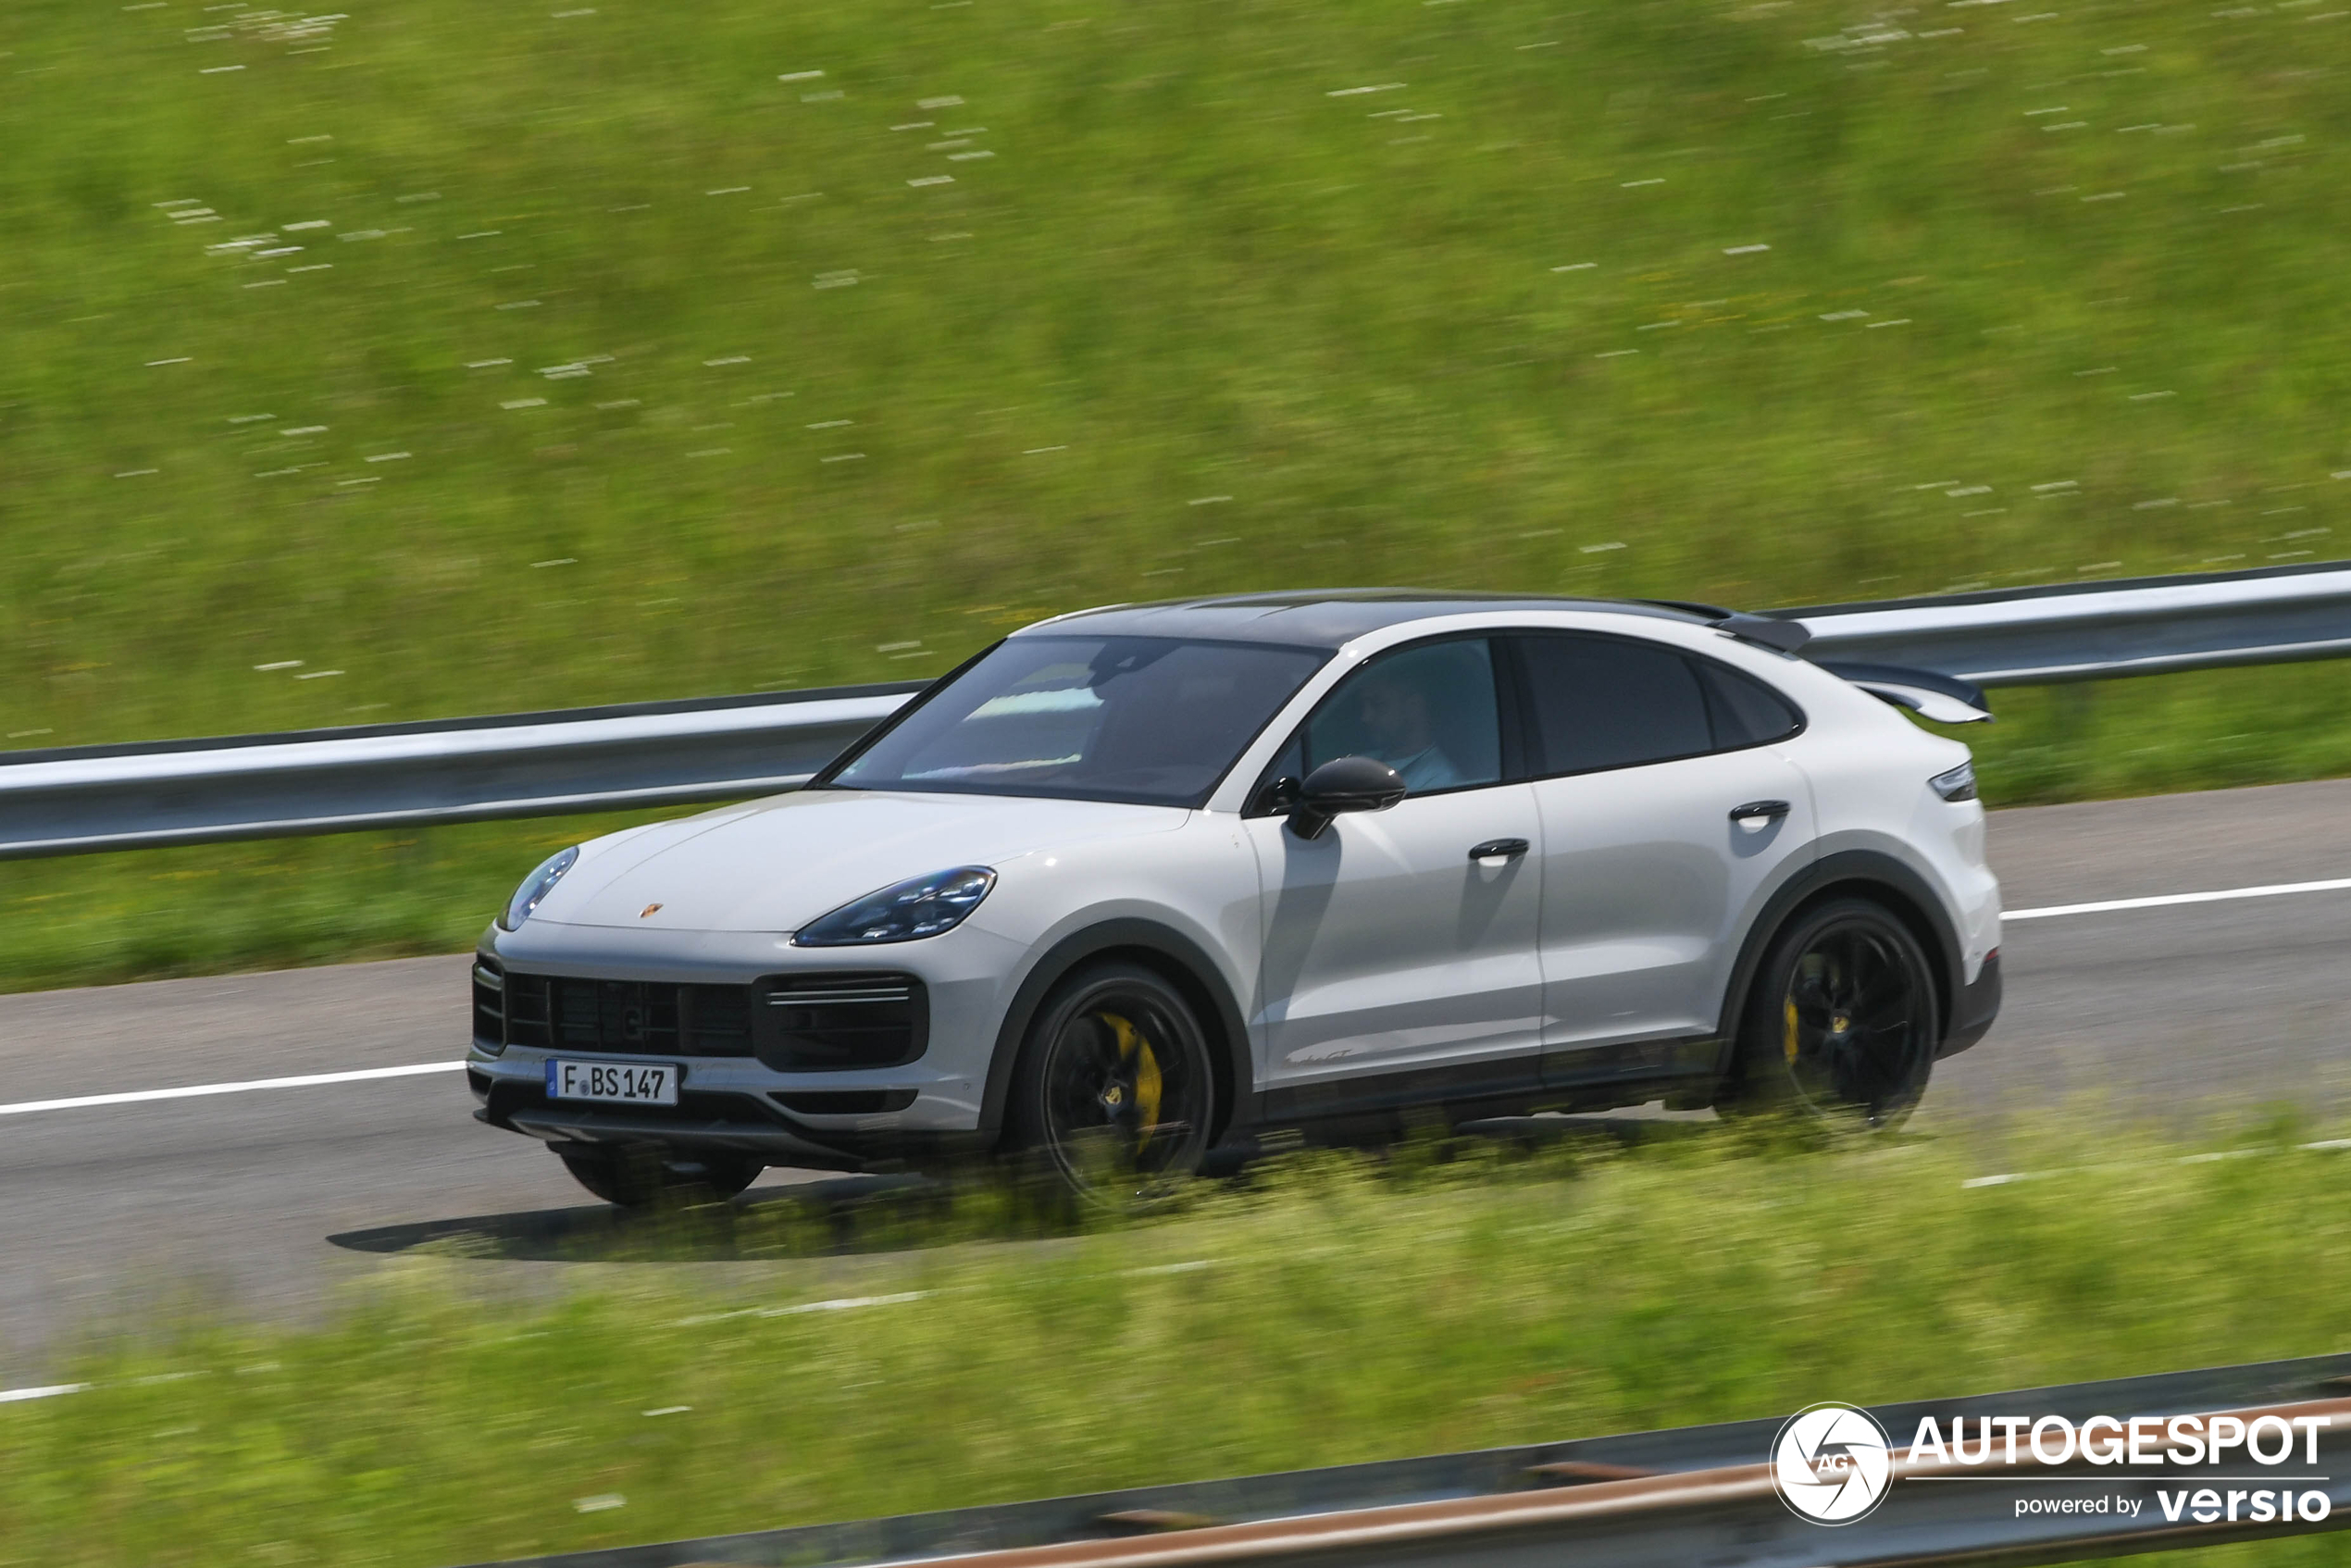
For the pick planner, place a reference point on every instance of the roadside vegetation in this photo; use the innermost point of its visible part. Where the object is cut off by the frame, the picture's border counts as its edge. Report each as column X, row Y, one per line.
column 1334, row 1310
column 431, row 360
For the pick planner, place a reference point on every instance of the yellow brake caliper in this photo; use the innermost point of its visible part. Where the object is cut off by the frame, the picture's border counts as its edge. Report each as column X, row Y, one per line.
column 1790, row 1042
column 1147, row 1084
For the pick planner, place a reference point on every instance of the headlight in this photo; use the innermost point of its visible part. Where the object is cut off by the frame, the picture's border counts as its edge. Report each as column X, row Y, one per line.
column 923, row 907
column 535, row 886
column 1956, row 785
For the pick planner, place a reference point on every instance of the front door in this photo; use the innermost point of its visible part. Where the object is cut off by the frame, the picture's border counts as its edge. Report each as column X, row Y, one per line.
column 1397, row 965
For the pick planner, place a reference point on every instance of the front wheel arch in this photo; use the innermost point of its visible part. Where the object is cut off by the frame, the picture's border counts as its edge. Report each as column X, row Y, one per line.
column 1179, row 960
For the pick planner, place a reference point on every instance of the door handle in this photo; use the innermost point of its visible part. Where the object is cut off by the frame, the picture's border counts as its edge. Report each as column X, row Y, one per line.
column 1499, row 849
column 1770, row 811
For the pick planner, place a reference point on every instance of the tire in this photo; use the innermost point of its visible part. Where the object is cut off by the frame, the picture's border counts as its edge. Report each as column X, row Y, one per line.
column 637, row 1175
column 1114, row 1095
column 1842, row 1023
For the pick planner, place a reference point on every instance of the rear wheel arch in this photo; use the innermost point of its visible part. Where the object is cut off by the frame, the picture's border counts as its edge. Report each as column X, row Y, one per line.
column 1168, row 952
column 1862, row 873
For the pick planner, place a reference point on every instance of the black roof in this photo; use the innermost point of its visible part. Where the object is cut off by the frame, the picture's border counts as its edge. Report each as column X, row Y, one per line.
column 1328, row 617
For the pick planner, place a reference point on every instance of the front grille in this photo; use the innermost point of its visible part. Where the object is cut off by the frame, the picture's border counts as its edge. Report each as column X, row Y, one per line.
column 792, row 1023
column 819, row 1023
column 554, row 1012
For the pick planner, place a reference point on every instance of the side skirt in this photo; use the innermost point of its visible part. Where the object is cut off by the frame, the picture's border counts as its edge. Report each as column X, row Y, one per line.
column 1372, row 1110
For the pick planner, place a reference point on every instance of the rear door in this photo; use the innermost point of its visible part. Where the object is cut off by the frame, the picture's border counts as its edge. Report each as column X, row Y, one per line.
column 1398, row 966
column 1668, row 812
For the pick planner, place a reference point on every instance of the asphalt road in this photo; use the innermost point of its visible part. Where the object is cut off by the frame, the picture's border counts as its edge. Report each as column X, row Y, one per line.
column 266, row 1201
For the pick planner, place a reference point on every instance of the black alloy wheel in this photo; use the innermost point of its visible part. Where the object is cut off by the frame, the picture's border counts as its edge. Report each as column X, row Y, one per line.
column 1115, row 1092
column 637, row 1175
column 1843, row 1023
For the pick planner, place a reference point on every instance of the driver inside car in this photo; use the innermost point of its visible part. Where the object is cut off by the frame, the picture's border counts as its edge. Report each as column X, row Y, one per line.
column 1393, row 707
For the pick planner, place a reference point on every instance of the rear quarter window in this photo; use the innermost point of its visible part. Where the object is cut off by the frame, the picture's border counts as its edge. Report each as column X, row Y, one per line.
column 1742, row 710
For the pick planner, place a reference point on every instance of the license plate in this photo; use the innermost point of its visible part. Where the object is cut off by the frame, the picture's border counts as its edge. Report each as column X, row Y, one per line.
column 627, row 1083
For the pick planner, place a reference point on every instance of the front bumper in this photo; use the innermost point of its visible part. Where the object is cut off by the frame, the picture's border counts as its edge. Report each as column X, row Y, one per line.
column 744, row 1087
column 512, row 1096
column 1974, row 1009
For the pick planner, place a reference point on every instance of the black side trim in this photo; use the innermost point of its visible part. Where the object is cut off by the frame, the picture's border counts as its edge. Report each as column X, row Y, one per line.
column 1193, row 970
column 1577, row 1066
column 1978, row 1004
column 1435, row 1084
column 1848, row 868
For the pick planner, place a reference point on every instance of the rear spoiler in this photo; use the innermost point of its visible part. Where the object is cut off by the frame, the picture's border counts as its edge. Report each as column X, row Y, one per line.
column 1945, row 698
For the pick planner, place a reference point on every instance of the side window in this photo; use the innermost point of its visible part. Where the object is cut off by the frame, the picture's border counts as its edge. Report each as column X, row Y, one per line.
column 1744, row 712
column 1606, row 701
column 1428, row 712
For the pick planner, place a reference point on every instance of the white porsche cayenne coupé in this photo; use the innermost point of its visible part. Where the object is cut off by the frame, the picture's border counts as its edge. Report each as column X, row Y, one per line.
column 1141, row 886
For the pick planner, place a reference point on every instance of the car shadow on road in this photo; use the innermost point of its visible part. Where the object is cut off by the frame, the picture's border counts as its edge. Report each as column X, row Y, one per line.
column 837, row 1217
column 828, row 1218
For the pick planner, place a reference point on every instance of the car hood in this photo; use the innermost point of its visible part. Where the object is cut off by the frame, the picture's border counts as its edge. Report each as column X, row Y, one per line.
column 777, row 864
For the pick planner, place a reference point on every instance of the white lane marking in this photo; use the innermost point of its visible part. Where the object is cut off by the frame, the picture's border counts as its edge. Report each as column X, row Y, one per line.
column 193, row 1091
column 8, row 1396
column 2273, row 890
column 2325, row 1145
column 837, row 1304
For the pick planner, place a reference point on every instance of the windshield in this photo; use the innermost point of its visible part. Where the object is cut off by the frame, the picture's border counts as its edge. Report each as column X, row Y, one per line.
column 1154, row 720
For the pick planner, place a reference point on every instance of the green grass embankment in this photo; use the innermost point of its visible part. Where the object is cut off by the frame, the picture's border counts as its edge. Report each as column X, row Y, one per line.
column 434, row 359
column 1332, row 1314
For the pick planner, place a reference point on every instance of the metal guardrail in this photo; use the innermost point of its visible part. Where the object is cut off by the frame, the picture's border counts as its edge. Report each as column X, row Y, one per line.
column 85, row 799
column 2098, row 631
column 1699, row 1494
column 81, row 800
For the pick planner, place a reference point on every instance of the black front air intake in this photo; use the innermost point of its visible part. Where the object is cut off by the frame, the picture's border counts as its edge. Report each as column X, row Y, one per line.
column 830, row 1022
column 490, row 1002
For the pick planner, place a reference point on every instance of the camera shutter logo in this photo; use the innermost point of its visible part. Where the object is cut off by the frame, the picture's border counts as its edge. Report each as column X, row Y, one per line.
column 1831, row 1463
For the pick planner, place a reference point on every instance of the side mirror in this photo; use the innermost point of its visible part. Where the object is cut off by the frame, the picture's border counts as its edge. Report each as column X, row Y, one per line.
column 1344, row 784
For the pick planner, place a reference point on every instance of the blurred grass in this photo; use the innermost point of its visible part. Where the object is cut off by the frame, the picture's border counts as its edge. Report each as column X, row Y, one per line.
column 436, row 359
column 483, row 359
column 1334, row 1312
column 279, row 904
